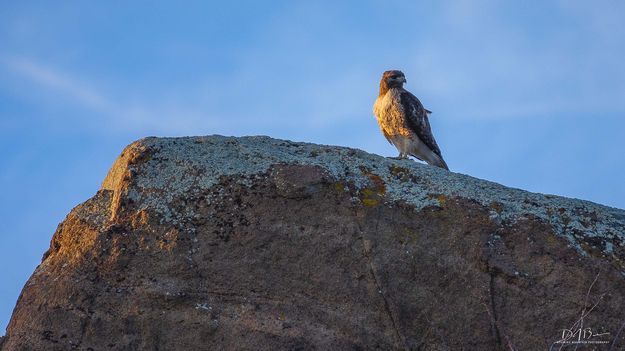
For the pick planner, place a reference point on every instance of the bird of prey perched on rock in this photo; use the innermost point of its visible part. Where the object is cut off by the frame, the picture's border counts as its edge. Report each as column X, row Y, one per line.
column 404, row 121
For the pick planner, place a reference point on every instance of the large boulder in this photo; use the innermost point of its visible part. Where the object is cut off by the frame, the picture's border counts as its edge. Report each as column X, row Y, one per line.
column 253, row 243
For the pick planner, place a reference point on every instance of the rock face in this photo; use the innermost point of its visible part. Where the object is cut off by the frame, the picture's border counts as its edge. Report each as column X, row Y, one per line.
column 217, row 243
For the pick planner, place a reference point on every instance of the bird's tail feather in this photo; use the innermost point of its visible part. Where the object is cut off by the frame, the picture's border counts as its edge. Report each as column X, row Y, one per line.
column 430, row 157
column 439, row 162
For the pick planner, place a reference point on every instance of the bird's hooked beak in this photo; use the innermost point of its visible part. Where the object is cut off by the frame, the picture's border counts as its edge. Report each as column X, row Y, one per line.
column 403, row 80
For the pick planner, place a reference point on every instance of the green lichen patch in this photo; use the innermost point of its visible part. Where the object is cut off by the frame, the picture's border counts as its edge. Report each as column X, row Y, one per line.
column 370, row 197
column 339, row 187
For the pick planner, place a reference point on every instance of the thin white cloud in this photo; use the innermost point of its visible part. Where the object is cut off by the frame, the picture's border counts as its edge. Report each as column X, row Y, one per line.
column 210, row 107
column 108, row 112
column 59, row 82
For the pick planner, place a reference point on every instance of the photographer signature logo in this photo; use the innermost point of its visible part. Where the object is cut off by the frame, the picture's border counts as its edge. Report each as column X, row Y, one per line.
column 579, row 332
column 582, row 336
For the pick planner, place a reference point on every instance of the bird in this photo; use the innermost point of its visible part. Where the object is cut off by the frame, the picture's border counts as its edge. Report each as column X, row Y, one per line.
column 404, row 121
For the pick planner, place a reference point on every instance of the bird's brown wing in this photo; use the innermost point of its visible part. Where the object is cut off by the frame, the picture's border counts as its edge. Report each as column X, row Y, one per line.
column 417, row 120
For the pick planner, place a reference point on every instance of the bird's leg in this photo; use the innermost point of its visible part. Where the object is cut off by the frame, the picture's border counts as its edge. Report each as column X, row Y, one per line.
column 400, row 157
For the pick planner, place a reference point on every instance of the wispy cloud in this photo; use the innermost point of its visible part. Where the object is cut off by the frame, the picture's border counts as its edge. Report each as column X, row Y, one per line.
column 48, row 78
column 472, row 62
column 116, row 114
column 204, row 106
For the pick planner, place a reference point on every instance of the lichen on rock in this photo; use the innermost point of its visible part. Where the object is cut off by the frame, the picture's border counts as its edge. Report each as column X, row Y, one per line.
column 170, row 167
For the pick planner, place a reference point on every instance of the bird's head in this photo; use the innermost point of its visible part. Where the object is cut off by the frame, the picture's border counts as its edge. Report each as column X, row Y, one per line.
column 393, row 79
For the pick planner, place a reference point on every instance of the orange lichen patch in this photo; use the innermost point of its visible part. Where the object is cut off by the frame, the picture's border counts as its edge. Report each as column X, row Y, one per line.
column 442, row 199
column 377, row 181
column 372, row 196
column 496, row 206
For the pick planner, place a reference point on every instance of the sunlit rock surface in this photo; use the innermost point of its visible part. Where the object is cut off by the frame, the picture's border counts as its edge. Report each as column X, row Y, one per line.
column 253, row 243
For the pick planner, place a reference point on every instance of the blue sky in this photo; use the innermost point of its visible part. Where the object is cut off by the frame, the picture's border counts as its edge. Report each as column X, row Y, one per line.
column 529, row 94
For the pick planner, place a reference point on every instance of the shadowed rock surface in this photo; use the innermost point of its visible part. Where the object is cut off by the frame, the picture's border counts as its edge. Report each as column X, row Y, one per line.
column 218, row 243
